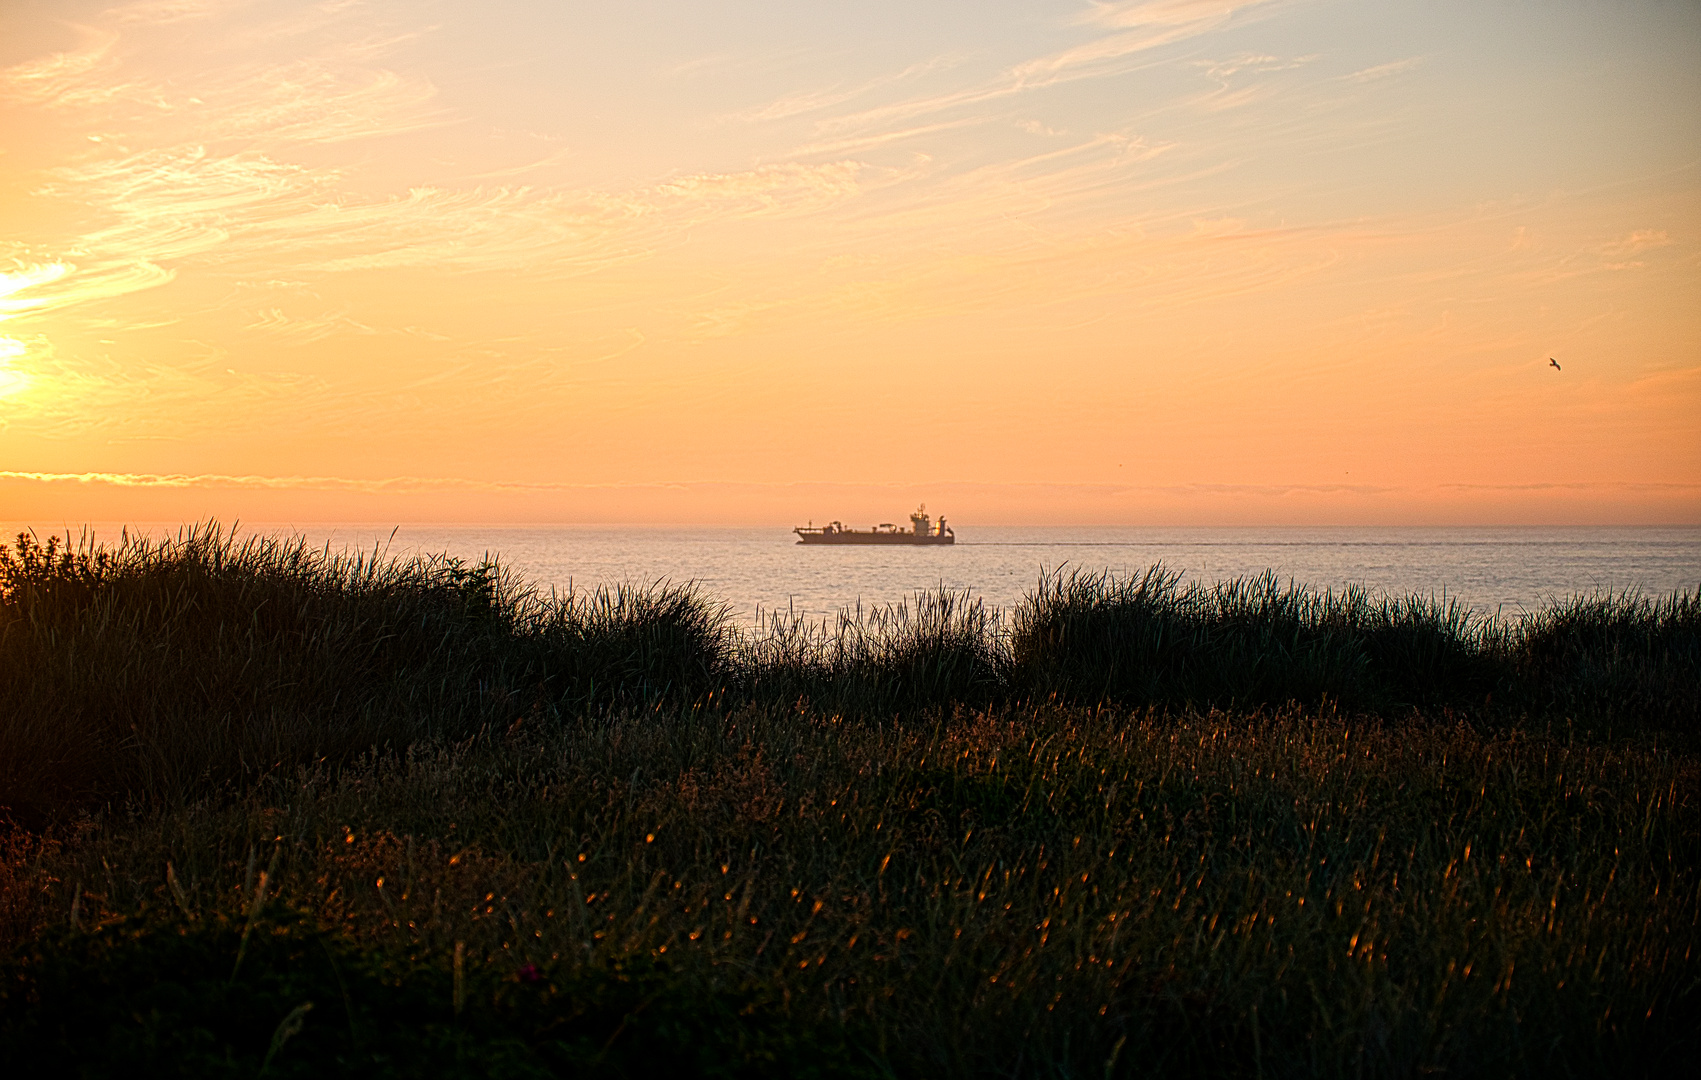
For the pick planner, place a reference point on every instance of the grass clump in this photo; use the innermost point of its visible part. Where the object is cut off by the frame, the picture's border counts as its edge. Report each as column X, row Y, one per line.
column 162, row 670
column 944, row 649
column 624, row 645
column 1150, row 640
column 1025, row 891
column 1620, row 652
column 159, row 994
column 158, row 669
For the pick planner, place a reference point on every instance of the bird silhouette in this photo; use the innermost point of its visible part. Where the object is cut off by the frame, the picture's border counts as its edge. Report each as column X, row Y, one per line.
column 1555, row 364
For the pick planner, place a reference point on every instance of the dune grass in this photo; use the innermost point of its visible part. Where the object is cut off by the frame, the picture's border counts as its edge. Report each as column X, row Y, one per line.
column 1632, row 654
column 161, row 669
column 942, row 649
column 1134, row 827
column 1149, row 639
column 1033, row 892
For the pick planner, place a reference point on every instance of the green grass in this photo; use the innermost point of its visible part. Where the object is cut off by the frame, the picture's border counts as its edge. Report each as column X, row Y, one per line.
column 1623, row 653
column 158, row 670
column 1133, row 829
column 1253, row 641
column 941, row 650
column 161, row 670
column 159, row 995
column 1327, row 896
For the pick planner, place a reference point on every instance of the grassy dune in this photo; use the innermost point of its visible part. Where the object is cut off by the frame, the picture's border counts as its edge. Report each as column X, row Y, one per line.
column 1132, row 828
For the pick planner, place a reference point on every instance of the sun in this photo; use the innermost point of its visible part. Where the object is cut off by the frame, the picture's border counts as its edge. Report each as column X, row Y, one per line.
column 12, row 382
column 25, row 277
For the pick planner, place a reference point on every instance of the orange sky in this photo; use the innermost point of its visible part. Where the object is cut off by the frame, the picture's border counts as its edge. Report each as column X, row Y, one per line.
column 1172, row 261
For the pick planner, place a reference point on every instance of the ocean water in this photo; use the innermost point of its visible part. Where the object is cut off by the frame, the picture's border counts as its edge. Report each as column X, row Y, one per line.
column 1506, row 570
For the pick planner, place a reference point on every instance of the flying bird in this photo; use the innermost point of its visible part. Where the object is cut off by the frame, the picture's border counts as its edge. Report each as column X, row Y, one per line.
column 1555, row 364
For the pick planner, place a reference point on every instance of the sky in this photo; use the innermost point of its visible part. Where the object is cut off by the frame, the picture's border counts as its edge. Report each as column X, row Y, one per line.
column 1247, row 262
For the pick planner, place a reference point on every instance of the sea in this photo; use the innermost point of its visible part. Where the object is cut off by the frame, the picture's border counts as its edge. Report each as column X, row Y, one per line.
column 761, row 572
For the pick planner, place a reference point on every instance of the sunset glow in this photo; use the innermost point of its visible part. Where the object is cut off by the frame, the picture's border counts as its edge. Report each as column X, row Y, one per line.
column 1167, row 261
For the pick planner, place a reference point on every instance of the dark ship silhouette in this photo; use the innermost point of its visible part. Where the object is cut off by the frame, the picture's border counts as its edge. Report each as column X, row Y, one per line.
column 921, row 531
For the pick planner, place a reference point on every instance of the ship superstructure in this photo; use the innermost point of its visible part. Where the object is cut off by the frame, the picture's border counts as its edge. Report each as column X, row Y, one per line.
column 921, row 531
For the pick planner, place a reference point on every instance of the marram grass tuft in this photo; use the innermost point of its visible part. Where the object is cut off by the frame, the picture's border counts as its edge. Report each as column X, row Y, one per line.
column 157, row 670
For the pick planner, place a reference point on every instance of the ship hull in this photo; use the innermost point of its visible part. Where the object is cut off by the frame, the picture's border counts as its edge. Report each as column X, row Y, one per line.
column 849, row 537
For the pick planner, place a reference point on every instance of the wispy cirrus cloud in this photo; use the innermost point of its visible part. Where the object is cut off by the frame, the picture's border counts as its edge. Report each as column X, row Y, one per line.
column 190, row 203
column 258, row 482
column 167, row 12
column 1121, row 14
column 809, row 101
column 85, row 77
column 1252, row 63
column 1641, row 240
column 1383, row 71
column 305, row 329
column 1136, row 27
column 214, row 177
column 315, row 101
column 1126, row 33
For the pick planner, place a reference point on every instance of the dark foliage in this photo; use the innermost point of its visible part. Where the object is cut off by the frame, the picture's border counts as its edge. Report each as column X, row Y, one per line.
column 154, row 671
column 1630, row 656
column 943, row 650
column 1149, row 640
column 1037, row 892
column 163, row 996
column 157, row 670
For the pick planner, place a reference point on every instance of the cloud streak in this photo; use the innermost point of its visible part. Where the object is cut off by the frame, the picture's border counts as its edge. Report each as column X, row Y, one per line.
column 437, row 484
column 1135, row 29
column 75, row 78
column 190, row 206
column 218, row 190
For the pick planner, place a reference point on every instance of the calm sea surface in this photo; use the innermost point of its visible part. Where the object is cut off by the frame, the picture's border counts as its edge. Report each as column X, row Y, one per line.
column 1506, row 569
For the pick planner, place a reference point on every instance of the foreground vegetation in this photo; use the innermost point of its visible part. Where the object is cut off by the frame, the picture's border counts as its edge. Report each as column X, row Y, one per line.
column 279, row 810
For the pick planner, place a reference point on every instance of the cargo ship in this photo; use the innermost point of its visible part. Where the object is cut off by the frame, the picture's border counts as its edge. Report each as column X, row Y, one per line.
column 921, row 531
